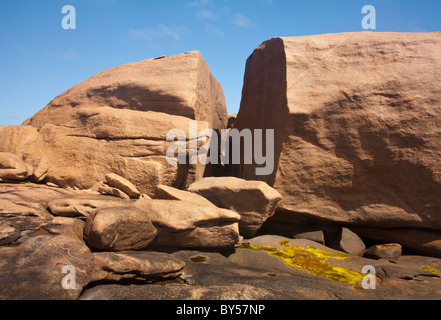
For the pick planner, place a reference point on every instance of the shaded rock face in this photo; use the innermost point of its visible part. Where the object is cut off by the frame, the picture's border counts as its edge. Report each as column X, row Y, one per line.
column 356, row 119
column 118, row 121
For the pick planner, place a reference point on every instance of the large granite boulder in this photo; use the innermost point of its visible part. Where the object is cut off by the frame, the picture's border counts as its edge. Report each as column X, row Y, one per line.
column 356, row 119
column 179, row 85
column 118, row 121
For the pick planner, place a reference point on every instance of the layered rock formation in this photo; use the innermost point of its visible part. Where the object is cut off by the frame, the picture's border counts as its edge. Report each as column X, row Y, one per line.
column 356, row 119
column 118, row 120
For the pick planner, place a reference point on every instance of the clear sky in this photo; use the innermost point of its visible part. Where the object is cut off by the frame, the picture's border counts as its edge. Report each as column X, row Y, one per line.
column 39, row 59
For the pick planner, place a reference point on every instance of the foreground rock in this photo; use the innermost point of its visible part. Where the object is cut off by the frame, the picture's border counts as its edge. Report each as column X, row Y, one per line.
column 82, row 206
column 254, row 274
column 255, row 201
column 356, row 126
column 119, row 229
column 32, row 269
column 413, row 240
column 38, row 251
column 42, row 250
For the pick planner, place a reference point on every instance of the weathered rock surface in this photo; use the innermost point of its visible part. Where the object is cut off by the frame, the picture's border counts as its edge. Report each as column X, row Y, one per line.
column 31, row 265
column 181, row 85
column 255, row 201
column 119, row 229
column 8, row 234
column 188, row 225
column 356, row 119
column 32, row 269
column 35, row 247
column 316, row 236
column 129, row 143
column 40, row 167
column 16, row 139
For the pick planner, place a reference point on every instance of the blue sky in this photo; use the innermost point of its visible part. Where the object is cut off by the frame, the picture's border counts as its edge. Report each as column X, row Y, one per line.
column 39, row 59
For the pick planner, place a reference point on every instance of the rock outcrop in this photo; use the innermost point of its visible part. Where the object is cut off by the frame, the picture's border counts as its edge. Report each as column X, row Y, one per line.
column 356, row 119
column 118, row 121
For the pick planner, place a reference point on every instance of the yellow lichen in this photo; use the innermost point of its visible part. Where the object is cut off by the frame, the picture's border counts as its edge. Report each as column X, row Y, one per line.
column 314, row 260
column 431, row 270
